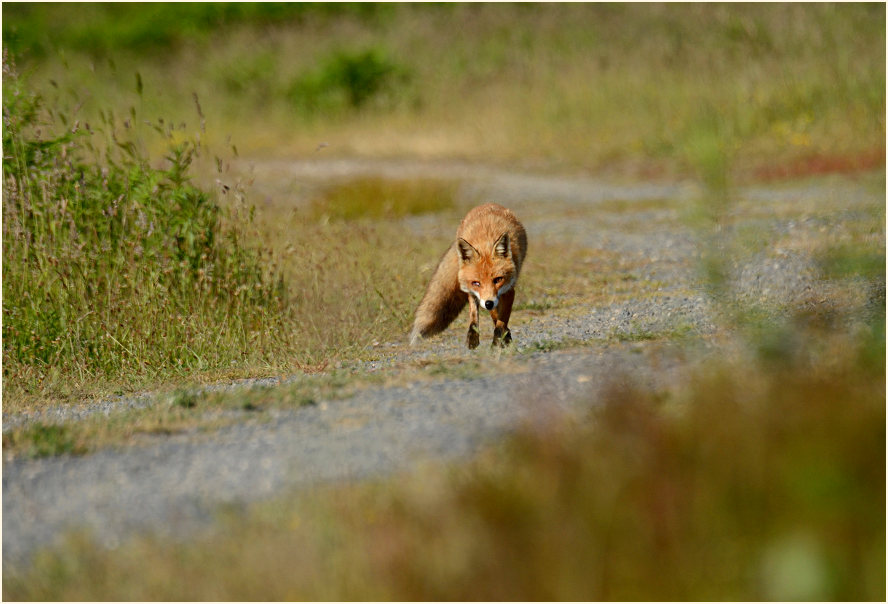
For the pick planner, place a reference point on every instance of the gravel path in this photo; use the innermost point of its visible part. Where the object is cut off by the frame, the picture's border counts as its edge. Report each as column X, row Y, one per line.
column 175, row 486
column 172, row 486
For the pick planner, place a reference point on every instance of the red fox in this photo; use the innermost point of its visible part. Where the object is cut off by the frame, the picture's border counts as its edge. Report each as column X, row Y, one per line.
column 480, row 267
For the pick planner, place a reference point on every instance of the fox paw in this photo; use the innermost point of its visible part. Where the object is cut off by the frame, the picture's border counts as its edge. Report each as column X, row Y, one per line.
column 501, row 337
column 472, row 338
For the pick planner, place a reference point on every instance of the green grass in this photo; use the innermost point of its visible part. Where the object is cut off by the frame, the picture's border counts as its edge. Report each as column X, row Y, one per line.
column 115, row 263
column 756, row 479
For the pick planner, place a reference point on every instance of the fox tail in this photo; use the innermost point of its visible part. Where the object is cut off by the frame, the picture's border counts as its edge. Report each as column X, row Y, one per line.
column 443, row 299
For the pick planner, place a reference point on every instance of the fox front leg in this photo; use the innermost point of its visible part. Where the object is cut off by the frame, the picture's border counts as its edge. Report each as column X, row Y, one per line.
column 473, row 337
column 500, row 315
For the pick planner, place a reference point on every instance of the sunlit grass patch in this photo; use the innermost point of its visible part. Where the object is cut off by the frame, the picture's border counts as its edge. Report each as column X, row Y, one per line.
column 379, row 197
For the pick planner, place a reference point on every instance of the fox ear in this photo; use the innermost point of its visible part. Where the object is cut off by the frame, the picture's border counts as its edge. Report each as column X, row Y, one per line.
column 502, row 248
column 467, row 253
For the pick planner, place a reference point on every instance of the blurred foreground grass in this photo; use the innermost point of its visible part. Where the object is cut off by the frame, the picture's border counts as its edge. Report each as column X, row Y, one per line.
column 760, row 478
column 795, row 88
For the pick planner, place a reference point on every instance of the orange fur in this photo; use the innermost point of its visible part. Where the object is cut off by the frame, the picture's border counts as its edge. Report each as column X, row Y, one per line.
column 480, row 267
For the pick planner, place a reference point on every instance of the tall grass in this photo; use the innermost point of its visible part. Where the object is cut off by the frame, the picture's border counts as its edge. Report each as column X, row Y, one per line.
column 114, row 263
column 120, row 272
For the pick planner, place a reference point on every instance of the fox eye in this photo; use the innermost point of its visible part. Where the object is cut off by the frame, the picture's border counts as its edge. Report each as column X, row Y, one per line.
column 476, row 284
column 498, row 280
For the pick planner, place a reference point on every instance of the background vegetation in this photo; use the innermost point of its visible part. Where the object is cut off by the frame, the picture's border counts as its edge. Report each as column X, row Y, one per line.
column 596, row 86
column 133, row 258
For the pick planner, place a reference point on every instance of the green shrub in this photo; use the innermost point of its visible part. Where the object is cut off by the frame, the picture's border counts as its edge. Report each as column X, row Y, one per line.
column 349, row 80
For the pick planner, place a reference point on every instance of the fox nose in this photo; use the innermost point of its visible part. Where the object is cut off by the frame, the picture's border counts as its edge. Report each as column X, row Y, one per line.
column 489, row 305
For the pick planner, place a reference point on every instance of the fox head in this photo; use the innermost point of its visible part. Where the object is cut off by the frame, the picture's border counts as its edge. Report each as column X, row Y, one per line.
column 486, row 273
